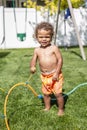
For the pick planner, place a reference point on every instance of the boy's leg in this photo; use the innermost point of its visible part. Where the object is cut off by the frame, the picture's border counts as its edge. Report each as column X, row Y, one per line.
column 60, row 101
column 47, row 100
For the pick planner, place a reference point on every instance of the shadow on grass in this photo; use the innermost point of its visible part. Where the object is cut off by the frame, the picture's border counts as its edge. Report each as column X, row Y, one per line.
column 28, row 55
column 3, row 54
column 76, row 54
column 73, row 52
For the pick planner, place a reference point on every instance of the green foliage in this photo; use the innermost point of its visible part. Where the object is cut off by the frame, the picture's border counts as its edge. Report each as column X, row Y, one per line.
column 52, row 5
column 75, row 3
column 24, row 110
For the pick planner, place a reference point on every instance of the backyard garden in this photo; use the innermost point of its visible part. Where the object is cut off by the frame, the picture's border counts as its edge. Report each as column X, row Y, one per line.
column 23, row 110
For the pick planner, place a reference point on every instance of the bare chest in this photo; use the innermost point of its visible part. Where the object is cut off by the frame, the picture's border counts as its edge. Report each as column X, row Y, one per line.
column 47, row 57
column 46, row 54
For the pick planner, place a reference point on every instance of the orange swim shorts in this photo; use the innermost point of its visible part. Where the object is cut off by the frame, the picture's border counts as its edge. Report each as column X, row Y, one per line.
column 49, row 86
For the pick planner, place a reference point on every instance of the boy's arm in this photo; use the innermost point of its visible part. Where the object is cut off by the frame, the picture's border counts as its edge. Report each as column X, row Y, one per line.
column 33, row 62
column 59, row 63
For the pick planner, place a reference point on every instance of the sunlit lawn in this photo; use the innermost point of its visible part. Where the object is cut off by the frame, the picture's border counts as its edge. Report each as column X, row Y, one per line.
column 24, row 110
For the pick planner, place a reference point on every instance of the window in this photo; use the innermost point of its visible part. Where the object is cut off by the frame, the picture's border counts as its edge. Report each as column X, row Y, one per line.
column 22, row 4
column 10, row 3
column 41, row 2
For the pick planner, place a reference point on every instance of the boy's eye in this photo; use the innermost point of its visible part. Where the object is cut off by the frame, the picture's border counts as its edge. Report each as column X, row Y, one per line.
column 44, row 37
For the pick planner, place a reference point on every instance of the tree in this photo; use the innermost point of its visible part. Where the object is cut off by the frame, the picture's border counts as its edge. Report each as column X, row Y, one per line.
column 52, row 4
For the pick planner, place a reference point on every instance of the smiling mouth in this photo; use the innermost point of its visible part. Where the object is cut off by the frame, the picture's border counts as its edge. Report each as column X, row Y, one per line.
column 44, row 42
column 45, row 45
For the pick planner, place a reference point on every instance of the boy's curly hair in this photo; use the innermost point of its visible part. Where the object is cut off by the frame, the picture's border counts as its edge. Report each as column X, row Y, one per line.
column 46, row 26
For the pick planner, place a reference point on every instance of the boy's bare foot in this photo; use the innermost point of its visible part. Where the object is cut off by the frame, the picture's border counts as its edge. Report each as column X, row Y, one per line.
column 60, row 113
column 46, row 109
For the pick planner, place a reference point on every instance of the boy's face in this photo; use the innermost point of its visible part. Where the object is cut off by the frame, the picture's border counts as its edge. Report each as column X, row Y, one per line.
column 44, row 37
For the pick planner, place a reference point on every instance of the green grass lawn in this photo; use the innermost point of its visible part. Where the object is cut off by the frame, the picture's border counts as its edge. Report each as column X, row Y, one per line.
column 24, row 110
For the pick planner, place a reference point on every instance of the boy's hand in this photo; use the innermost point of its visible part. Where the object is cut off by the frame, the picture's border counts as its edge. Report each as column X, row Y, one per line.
column 55, row 77
column 33, row 69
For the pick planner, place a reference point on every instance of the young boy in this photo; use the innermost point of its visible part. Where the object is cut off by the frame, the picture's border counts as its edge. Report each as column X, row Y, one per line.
column 50, row 63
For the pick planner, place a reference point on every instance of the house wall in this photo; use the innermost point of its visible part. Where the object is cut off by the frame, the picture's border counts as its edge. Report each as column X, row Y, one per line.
column 66, row 33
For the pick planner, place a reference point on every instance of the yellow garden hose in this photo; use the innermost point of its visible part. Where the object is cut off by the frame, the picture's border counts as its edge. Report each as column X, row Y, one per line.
column 6, row 99
column 39, row 96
